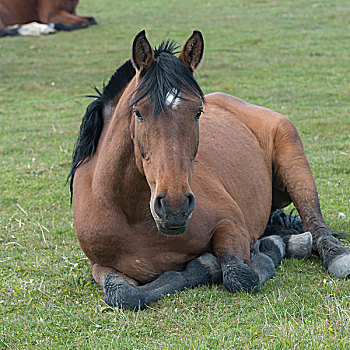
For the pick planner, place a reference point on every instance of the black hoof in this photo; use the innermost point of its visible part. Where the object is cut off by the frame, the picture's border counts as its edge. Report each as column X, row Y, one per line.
column 340, row 266
column 335, row 257
column 273, row 247
column 92, row 21
column 263, row 266
column 71, row 27
column 299, row 246
column 9, row 32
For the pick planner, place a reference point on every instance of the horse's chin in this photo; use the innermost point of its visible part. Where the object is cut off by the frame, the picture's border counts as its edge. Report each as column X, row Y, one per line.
column 174, row 231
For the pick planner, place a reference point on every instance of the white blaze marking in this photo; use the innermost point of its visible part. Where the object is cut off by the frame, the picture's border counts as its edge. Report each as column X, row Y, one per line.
column 172, row 99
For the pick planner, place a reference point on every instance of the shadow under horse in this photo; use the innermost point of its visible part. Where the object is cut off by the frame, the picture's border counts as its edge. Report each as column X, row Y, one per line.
column 173, row 189
column 60, row 13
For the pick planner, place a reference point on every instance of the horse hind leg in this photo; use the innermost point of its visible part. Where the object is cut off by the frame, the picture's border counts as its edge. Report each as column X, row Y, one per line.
column 293, row 172
column 123, row 292
column 10, row 31
column 2, row 26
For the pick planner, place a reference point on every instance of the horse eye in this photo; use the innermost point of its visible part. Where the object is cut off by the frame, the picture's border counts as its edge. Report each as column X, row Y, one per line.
column 198, row 115
column 138, row 115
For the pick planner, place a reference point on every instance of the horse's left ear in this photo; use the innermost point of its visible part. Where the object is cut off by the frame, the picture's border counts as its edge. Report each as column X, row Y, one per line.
column 142, row 52
column 192, row 51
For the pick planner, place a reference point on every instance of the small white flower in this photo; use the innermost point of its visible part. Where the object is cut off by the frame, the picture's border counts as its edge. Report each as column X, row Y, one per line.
column 53, row 83
column 341, row 215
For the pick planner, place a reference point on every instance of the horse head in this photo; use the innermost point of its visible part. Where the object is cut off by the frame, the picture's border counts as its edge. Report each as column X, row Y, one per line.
column 166, row 107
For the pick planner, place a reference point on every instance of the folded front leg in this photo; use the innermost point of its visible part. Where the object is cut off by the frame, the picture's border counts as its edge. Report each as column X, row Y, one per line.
column 123, row 292
column 265, row 255
column 245, row 268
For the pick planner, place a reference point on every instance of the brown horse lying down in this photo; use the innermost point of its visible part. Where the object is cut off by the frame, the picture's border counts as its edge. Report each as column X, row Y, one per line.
column 140, row 161
column 61, row 13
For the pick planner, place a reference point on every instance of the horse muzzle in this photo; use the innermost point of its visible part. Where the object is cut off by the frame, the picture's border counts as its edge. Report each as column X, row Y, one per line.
column 169, row 223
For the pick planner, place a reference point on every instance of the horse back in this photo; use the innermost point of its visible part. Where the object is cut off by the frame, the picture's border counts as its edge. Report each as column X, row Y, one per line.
column 263, row 122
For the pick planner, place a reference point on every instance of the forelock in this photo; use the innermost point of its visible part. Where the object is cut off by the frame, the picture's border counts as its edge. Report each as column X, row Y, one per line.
column 167, row 75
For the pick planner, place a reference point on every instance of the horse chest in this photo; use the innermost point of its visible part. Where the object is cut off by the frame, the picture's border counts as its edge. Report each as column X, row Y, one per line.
column 149, row 254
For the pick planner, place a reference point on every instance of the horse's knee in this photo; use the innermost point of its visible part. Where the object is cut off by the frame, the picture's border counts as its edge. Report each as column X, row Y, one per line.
column 119, row 293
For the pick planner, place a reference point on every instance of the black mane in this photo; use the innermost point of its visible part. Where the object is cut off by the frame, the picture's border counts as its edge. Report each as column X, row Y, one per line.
column 92, row 122
column 167, row 74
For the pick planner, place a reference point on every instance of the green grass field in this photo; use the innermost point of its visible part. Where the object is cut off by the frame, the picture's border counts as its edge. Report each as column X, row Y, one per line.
column 292, row 56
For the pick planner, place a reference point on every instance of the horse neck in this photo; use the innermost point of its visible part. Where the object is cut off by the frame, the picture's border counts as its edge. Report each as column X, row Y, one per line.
column 117, row 181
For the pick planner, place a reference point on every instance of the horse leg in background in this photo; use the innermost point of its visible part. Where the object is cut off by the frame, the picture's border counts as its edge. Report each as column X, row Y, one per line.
column 290, row 229
column 6, row 31
column 244, row 268
column 64, row 20
column 125, row 293
column 2, row 26
column 293, row 174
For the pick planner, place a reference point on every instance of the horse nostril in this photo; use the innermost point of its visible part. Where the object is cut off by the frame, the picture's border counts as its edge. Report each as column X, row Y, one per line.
column 158, row 206
column 190, row 203
column 163, row 211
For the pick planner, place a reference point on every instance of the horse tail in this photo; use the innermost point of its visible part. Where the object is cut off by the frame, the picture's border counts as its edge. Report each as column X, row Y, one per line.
column 298, row 243
column 283, row 224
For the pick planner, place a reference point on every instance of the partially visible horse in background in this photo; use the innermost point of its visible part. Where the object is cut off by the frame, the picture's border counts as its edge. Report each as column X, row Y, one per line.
column 57, row 14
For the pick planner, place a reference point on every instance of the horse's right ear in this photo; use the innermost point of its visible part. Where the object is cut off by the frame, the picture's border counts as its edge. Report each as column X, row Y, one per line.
column 142, row 53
